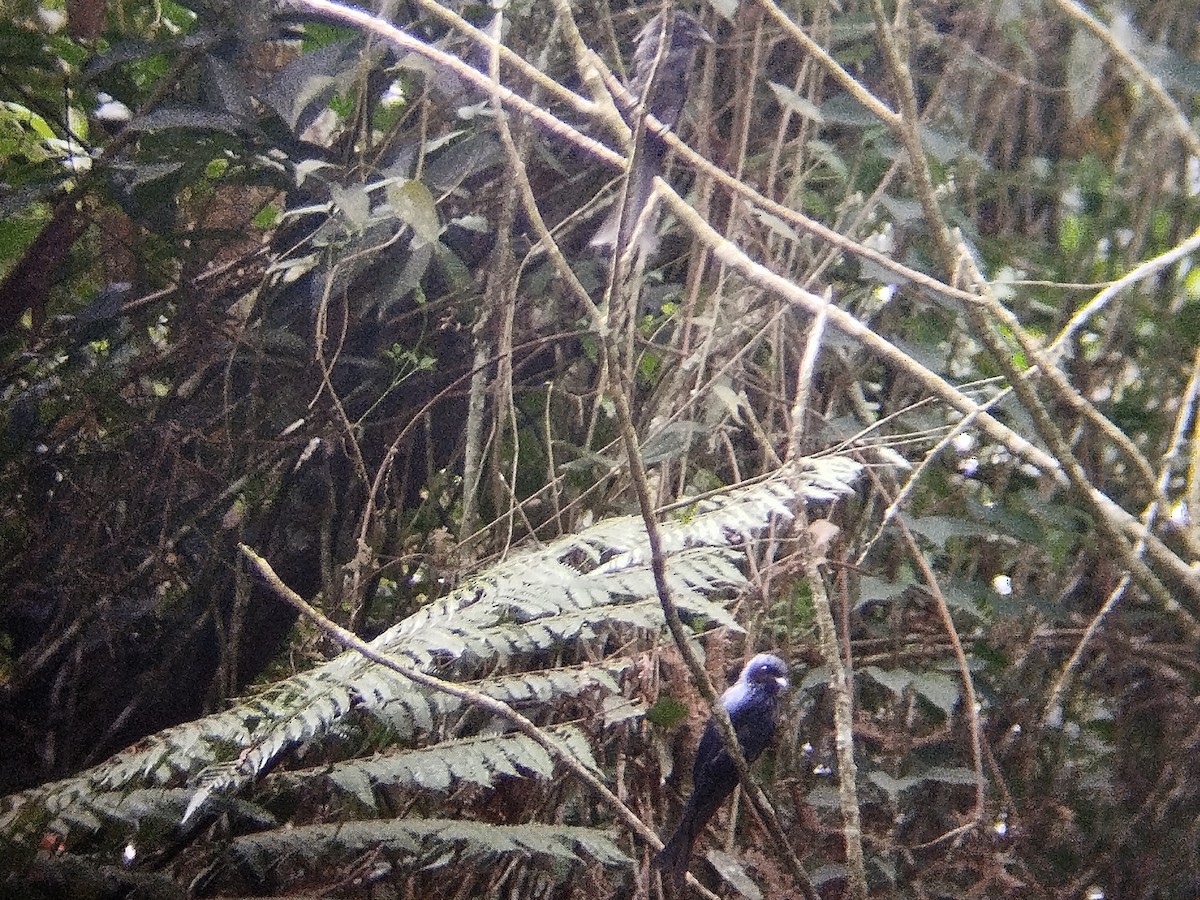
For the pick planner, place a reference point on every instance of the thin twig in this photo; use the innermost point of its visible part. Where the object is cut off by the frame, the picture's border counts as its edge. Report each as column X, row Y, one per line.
column 475, row 78
column 953, row 258
column 841, row 679
column 1106, row 510
column 1120, row 50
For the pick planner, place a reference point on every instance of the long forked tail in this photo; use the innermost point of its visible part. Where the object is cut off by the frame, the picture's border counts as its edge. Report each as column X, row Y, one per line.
column 673, row 859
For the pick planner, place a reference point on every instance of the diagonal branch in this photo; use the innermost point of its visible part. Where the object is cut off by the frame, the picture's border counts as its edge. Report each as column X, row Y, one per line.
column 548, row 742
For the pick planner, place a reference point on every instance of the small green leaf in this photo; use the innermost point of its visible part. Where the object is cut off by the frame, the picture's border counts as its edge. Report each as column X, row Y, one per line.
column 667, row 712
column 354, row 781
column 731, row 870
column 895, row 680
column 267, row 217
column 892, row 786
column 940, row 690
column 414, row 206
column 1071, row 233
column 801, row 106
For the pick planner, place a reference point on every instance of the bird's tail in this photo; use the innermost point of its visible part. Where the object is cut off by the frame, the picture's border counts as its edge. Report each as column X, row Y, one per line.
column 619, row 226
column 673, row 859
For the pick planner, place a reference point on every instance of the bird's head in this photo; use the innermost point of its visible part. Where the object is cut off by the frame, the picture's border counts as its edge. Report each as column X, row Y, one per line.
column 766, row 672
column 687, row 32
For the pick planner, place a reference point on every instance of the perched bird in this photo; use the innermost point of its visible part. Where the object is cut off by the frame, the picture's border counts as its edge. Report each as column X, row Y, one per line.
column 660, row 84
column 753, row 707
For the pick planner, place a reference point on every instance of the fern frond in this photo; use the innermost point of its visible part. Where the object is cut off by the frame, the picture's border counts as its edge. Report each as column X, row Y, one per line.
column 573, row 590
column 426, row 838
column 479, row 760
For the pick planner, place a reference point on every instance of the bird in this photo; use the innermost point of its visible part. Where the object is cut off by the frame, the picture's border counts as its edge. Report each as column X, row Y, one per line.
column 753, row 707
column 661, row 85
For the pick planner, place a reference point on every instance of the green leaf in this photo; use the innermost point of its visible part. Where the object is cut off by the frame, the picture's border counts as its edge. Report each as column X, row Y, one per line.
column 939, row 689
column 191, row 118
column 414, row 205
column 895, row 680
column 893, row 787
column 797, row 104
column 667, row 712
column 354, row 781
column 940, row 529
column 730, row 869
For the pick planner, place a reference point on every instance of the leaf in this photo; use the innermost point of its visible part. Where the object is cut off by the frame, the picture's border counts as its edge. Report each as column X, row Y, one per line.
column 353, row 202
column 940, row 529
column 797, row 104
column 415, row 207
column 827, row 873
column 777, row 225
column 473, row 766
column 671, row 441
column 430, row 771
column 411, row 836
column 954, row 775
column 962, row 596
column 939, row 689
column 875, row 590
column 192, row 118
column 577, row 744
column 895, row 680
column 726, row 400
column 621, row 709
column 904, row 212
column 1086, row 59
column 893, row 787
column 730, row 869
column 727, row 9
column 135, row 178
column 667, row 712
column 533, row 758
column 829, row 156
column 842, row 109
column 829, row 477
column 308, row 80
column 353, row 781
column 943, row 147
column 306, row 167
column 821, row 535
column 456, row 272
column 196, row 802
column 228, row 87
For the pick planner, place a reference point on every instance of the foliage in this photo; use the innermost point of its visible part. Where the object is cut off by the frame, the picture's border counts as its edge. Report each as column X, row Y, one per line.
column 582, row 596
column 280, row 279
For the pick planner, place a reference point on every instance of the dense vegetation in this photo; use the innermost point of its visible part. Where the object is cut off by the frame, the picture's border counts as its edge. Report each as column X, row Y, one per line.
column 298, row 307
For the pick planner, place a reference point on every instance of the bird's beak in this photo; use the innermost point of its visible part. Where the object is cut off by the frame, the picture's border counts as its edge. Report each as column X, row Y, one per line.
column 782, row 682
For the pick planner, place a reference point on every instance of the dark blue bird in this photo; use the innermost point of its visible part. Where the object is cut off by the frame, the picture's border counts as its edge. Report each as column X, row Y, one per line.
column 660, row 81
column 753, row 707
